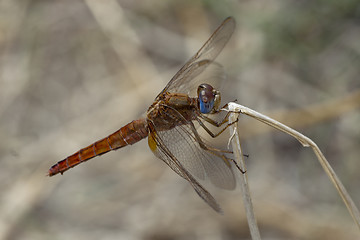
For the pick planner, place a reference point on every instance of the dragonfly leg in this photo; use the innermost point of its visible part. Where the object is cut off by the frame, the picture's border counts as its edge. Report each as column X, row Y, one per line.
column 237, row 166
column 217, row 152
column 202, row 144
column 213, row 122
column 226, row 159
column 223, row 121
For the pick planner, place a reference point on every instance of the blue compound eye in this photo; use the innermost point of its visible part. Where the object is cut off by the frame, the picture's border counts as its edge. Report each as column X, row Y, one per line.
column 206, row 98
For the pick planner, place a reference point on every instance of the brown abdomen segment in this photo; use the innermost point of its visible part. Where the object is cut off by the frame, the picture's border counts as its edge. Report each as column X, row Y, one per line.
column 129, row 134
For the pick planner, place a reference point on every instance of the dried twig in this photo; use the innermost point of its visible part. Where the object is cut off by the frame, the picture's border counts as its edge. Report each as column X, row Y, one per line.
column 239, row 158
column 306, row 142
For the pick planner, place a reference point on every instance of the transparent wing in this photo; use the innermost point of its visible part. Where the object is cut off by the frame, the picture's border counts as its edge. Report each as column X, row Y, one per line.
column 204, row 58
column 184, row 142
column 162, row 152
column 196, row 75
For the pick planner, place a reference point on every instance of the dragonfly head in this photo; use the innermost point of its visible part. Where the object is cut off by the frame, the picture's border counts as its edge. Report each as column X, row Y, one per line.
column 209, row 98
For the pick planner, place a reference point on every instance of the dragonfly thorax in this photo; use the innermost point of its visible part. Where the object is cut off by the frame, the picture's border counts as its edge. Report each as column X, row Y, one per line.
column 209, row 98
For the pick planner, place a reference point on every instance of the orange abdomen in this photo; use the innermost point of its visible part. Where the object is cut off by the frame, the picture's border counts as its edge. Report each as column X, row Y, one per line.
column 129, row 134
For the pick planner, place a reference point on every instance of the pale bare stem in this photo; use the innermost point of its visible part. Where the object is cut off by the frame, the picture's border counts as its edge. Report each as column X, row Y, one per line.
column 239, row 158
column 306, row 142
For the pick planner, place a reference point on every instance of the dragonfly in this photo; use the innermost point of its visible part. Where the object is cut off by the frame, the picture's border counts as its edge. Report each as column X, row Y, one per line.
column 173, row 124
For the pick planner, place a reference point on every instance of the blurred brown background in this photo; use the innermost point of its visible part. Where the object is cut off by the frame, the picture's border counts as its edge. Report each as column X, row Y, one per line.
column 73, row 72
